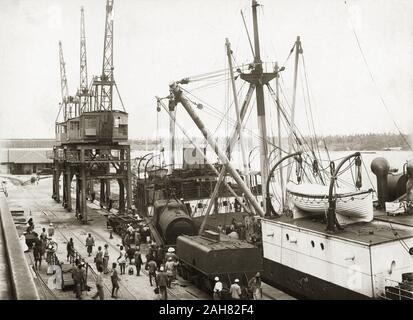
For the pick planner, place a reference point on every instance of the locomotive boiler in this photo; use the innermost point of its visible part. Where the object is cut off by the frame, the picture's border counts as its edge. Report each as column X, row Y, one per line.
column 171, row 219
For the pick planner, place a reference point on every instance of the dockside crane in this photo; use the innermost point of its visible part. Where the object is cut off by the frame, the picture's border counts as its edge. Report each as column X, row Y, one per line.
column 69, row 103
column 104, row 84
column 88, row 140
column 83, row 92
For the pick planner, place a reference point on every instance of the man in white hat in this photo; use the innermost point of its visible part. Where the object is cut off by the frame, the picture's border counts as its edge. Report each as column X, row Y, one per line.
column 162, row 281
column 50, row 230
column 130, row 229
column 217, row 289
column 235, row 290
column 171, row 254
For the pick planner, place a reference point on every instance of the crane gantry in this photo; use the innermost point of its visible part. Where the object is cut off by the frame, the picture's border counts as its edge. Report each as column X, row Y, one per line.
column 88, row 139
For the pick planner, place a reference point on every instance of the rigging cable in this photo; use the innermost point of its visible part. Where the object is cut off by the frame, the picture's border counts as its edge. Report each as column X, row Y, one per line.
column 248, row 34
column 374, row 81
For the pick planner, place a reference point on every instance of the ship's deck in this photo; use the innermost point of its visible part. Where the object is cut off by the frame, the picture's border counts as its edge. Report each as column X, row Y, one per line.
column 381, row 230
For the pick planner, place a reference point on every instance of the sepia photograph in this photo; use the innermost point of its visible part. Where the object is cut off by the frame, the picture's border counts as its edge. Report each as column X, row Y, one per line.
column 230, row 152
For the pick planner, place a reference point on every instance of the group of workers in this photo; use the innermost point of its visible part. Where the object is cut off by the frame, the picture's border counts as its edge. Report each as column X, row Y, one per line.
column 40, row 243
column 236, row 292
column 162, row 268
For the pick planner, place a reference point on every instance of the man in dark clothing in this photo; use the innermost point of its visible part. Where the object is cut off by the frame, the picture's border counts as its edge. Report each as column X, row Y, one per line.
column 74, row 271
column 78, row 278
column 37, row 253
column 106, row 259
column 99, row 259
column 43, row 238
column 162, row 282
column 151, row 265
column 90, row 242
column 130, row 252
column 254, row 285
column 115, row 281
column 70, row 247
column 138, row 262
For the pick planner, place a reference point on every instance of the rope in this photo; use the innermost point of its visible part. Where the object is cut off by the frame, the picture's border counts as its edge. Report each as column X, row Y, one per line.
column 248, row 34
column 374, row 81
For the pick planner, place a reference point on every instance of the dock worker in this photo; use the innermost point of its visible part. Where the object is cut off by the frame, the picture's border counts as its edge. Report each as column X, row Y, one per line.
column 162, row 282
column 130, row 253
column 255, row 286
column 152, row 249
column 122, row 260
column 99, row 284
column 70, row 247
column 50, row 230
column 217, row 289
column 30, row 226
column 106, row 259
column 151, row 267
column 99, row 259
column 37, row 253
column 170, row 270
column 171, row 254
column 43, row 238
column 114, row 277
column 235, row 290
column 138, row 261
column 79, row 280
column 74, row 270
column 90, row 242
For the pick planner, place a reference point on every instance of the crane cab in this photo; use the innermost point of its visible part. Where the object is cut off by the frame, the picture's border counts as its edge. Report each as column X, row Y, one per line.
column 94, row 127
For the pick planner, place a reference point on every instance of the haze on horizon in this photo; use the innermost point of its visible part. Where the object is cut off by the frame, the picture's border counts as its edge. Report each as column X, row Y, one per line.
column 158, row 41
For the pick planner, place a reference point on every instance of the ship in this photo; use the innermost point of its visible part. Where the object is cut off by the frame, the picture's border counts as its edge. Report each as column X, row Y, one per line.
column 349, row 251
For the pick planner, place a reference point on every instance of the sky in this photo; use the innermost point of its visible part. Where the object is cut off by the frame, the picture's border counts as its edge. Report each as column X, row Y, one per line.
column 159, row 41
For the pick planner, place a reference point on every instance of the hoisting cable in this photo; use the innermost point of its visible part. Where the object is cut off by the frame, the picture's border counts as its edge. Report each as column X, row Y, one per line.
column 248, row 34
column 373, row 80
column 120, row 98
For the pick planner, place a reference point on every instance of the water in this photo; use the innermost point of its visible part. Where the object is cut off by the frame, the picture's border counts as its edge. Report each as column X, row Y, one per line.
column 396, row 159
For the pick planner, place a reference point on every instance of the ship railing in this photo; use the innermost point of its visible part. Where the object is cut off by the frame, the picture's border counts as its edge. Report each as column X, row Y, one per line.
column 393, row 290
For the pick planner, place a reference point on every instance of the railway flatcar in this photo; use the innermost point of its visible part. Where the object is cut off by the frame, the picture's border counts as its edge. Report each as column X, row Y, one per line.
column 202, row 258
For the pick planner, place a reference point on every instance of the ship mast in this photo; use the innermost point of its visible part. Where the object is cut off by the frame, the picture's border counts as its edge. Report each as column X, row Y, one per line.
column 260, row 78
column 237, row 111
column 298, row 51
column 277, row 97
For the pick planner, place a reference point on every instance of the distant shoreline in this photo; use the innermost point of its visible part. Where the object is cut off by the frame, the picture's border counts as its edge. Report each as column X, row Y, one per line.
column 360, row 142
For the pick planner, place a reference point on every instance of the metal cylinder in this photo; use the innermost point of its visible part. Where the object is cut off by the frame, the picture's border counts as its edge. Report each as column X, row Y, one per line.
column 380, row 167
column 396, row 184
column 174, row 222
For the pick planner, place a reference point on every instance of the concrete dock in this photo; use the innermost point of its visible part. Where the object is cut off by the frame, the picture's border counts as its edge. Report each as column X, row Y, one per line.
column 28, row 200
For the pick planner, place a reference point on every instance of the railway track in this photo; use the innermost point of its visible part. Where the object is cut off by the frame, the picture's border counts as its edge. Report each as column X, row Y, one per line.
column 124, row 290
column 76, row 238
column 47, row 293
